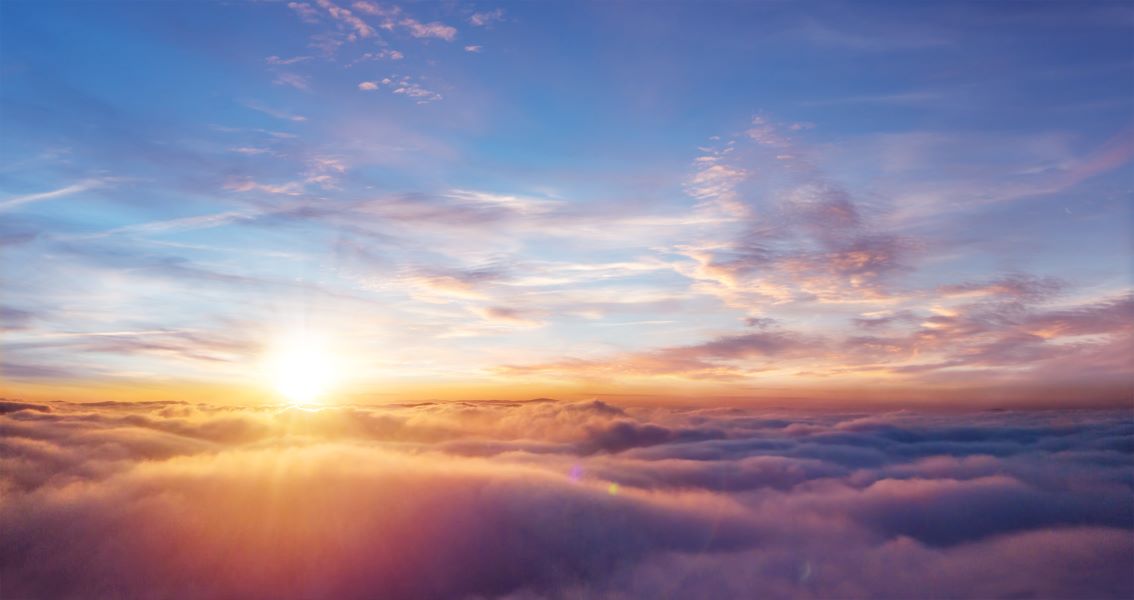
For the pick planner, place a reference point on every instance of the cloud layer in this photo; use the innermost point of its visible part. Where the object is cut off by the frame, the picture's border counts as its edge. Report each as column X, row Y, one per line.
column 556, row 499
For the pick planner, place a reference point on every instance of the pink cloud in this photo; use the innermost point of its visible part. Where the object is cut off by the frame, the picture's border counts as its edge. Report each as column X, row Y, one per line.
column 548, row 498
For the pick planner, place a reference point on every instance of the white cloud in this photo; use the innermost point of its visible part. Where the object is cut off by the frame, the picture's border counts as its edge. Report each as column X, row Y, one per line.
column 406, row 86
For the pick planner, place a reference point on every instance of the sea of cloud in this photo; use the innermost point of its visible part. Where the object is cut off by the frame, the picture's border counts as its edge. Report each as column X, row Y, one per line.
column 562, row 499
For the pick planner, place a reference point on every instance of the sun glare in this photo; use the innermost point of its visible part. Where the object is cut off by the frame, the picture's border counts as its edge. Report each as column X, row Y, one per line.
column 301, row 368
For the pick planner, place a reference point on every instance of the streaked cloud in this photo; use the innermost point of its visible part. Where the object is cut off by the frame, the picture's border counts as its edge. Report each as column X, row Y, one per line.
column 275, row 60
column 274, row 112
column 355, row 25
column 14, row 202
column 305, row 11
column 298, row 82
column 393, row 17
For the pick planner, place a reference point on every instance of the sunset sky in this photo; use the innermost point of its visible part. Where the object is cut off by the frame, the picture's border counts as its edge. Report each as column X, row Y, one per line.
column 548, row 300
column 852, row 203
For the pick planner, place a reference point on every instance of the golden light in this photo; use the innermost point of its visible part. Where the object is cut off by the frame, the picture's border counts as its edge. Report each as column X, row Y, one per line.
column 301, row 367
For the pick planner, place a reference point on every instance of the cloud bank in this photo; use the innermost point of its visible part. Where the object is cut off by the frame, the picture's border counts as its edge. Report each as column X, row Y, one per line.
column 555, row 499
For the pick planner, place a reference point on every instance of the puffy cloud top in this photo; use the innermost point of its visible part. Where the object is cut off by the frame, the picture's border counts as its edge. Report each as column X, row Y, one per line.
column 560, row 499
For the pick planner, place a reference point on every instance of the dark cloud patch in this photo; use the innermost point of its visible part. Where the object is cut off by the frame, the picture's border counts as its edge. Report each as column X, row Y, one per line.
column 12, row 318
column 1015, row 286
column 761, row 322
column 558, row 499
column 8, row 406
column 714, row 359
column 23, row 370
column 904, row 316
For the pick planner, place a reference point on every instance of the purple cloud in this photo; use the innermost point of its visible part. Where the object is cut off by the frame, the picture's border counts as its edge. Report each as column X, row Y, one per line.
column 546, row 498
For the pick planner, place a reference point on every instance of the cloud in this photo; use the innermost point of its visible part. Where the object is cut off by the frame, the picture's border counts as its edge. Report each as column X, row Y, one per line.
column 510, row 315
column 298, row 82
column 384, row 54
column 403, row 86
column 290, row 188
column 430, row 30
column 180, row 347
column 443, row 285
column 485, row 18
column 715, row 181
column 726, row 357
column 394, row 17
column 551, row 499
column 275, row 60
column 12, row 318
column 474, row 49
column 356, row 25
column 1017, row 286
column 798, row 236
column 305, row 11
column 76, row 188
column 250, row 150
column 1044, row 341
column 272, row 112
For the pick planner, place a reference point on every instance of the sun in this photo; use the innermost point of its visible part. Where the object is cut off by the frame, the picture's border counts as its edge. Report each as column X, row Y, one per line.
column 301, row 368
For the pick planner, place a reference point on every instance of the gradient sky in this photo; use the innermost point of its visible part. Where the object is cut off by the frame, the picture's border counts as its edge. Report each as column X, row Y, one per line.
column 851, row 202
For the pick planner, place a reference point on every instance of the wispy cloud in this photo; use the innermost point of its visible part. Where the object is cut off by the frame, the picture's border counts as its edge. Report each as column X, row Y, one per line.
column 273, row 112
column 13, row 202
column 355, row 25
column 394, row 17
column 305, row 11
column 482, row 19
column 430, row 30
column 275, row 60
column 298, row 82
column 384, row 54
column 290, row 188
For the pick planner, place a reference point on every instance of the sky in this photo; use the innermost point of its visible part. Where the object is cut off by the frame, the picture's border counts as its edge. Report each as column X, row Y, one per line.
column 841, row 203
column 343, row 299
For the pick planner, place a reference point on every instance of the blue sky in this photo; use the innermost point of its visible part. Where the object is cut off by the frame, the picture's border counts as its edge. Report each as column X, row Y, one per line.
column 732, row 199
